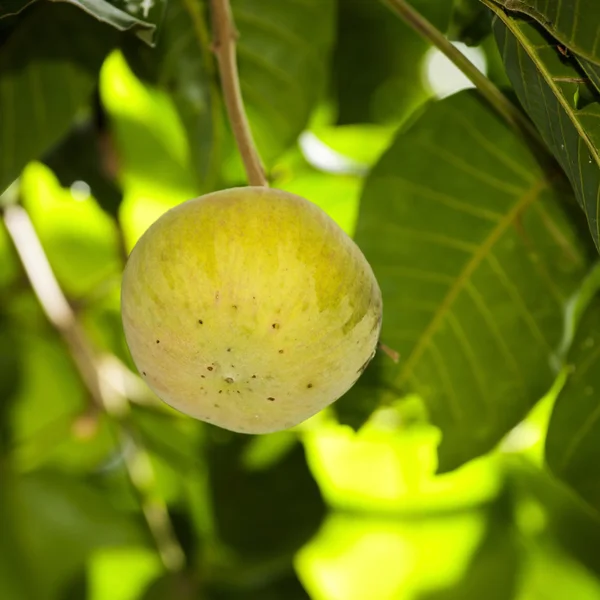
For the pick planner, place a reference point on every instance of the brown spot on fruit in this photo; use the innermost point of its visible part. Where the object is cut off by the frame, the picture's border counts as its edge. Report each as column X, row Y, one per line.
column 210, row 368
column 271, row 399
column 309, row 385
column 158, row 341
column 228, row 349
column 253, row 376
column 281, row 352
column 275, row 326
column 201, row 321
column 143, row 372
column 229, row 379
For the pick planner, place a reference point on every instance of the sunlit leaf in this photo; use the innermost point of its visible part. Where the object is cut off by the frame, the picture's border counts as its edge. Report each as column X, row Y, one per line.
column 388, row 467
column 548, row 87
column 353, row 558
column 155, row 168
column 46, row 76
column 495, row 569
column 121, row 573
column 81, row 241
column 475, row 259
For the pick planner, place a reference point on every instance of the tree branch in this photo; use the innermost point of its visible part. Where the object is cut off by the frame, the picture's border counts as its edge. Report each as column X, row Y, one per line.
column 97, row 376
column 224, row 36
column 507, row 110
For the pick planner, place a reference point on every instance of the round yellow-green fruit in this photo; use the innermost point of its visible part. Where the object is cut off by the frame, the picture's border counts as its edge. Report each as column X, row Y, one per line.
column 249, row 308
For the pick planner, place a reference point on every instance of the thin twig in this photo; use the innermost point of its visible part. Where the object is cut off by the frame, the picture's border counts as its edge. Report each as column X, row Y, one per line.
column 96, row 378
column 224, row 36
column 511, row 114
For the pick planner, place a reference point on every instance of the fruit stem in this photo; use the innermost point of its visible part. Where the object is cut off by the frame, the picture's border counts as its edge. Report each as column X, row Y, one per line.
column 224, row 47
column 103, row 390
column 497, row 100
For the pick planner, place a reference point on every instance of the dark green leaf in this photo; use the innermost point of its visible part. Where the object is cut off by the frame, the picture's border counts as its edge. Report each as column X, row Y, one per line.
column 592, row 71
column 78, row 158
column 570, row 522
column 288, row 588
column 13, row 7
column 470, row 22
column 10, row 379
column 16, row 582
column 283, row 54
column 572, row 442
column 262, row 514
column 549, row 87
column 357, row 405
column 378, row 79
column 123, row 15
column 47, row 74
column 475, row 259
column 573, row 23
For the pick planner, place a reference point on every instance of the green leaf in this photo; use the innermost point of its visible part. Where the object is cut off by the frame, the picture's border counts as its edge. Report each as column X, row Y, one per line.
column 123, row 15
column 181, row 65
column 470, row 22
column 592, row 71
column 78, row 158
column 10, row 380
column 548, row 87
column 495, row 566
column 475, row 259
column 61, row 521
column 379, row 79
column 155, row 170
column 288, row 587
column 47, row 73
column 13, row 7
column 574, row 24
column 80, row 239
column 283, row 55
column 572, row 443
column 262, row 513
column 16, row 582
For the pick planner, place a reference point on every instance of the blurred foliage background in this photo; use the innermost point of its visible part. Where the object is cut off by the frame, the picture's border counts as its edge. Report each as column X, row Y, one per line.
column 468, row 469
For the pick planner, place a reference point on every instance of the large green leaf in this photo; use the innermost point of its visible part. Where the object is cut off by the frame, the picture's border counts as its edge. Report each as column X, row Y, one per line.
column 549, row 86
column 283, row 54
column 574, row 23
column 475, row 259
column 47, row 74
column 572, row 447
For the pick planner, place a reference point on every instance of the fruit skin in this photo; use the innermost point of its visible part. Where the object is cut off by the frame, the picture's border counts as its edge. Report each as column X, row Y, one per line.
column 249, row 308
